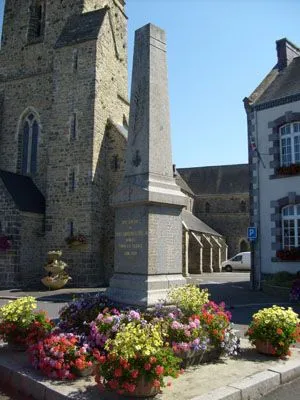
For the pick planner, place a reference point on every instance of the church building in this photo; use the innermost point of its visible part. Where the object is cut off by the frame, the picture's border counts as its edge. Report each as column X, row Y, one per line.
column 63, row 105
column 64, row 122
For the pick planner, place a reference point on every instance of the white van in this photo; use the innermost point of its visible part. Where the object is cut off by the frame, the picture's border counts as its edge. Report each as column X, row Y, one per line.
column 239, row 261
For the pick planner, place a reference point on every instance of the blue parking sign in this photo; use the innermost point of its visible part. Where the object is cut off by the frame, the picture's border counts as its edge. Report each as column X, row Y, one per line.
column 252, row 233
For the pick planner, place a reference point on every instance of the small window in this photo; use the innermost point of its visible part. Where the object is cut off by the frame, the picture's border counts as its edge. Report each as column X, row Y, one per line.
column 72, row 180
column 70, row 228
column 237, row 258
column 75, row 60
column 243, row 206
column 207, row 208
column 73, row 130
column 36, row 20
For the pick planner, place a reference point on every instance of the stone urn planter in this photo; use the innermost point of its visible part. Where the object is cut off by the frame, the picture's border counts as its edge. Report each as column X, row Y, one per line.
column 57, row 277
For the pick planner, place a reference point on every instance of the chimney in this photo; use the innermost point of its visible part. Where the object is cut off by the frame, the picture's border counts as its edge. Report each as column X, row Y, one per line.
column 286, row 52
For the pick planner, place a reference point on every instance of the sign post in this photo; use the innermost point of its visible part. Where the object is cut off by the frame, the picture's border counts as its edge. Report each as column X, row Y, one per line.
column 252, row 233
column 252, row 236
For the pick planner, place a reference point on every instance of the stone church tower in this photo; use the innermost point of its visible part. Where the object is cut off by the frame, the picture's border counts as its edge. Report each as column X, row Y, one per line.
column 63, row 104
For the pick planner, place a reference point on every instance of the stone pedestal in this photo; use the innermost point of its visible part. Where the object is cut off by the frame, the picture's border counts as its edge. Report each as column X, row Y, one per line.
column 148, row 203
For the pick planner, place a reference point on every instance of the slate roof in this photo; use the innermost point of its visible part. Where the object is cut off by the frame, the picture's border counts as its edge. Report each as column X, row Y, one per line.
column 81, row 28
column 182, row 184
column 24, row 192
column 285, row 83
column 223, row 179
column 195, row 224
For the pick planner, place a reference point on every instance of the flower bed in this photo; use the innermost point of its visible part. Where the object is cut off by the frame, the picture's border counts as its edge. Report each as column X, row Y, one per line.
column 77, row 241
column 292, row 254
column 129, row 350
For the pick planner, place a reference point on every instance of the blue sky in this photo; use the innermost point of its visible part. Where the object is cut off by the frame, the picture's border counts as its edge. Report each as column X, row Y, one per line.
column 218, row 52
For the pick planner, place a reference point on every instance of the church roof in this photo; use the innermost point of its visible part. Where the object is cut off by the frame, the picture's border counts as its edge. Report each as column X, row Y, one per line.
column 283, row 84
column 195, row 224
column 222, row 179
column 81, row 28
column 182, row 184
column 24, row 192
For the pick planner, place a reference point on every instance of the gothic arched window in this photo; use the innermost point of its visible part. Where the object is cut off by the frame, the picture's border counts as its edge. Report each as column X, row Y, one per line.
column 207, row 207
column 29, row 133
column 37, row 20
column 243, row 206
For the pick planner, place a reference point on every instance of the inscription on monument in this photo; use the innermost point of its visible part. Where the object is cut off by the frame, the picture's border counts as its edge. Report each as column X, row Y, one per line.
column 130, row 238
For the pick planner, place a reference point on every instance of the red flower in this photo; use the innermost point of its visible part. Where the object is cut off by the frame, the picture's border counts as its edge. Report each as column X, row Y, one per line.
column 152, row 360
column 118, row 373
column 147, row 367
column 159, row 370
column 279, row 331
column 135, row 374
column 113, row 384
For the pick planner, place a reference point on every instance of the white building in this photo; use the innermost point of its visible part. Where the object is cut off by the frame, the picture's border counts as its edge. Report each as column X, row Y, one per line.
column 273, row 115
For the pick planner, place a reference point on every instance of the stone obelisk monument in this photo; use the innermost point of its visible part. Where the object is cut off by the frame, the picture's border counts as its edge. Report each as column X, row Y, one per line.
column 148, row 203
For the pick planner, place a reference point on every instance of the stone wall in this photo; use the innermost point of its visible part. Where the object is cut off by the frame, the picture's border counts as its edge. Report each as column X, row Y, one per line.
column 111, row 104
column 32, row 258
column 10, row 226
column 227, row 215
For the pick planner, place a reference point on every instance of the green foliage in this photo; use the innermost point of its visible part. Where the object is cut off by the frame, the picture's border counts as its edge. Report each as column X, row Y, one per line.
column 189, row 298
column 282, row 278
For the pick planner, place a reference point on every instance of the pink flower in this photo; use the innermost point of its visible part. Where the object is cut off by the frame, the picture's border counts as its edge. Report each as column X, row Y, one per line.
column 156, row 383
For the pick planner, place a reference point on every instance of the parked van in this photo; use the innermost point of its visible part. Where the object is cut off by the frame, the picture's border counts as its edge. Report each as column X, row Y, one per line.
column 239, row 261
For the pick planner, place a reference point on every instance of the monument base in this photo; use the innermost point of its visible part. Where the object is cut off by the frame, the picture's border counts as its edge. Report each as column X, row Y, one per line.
column 142, row 290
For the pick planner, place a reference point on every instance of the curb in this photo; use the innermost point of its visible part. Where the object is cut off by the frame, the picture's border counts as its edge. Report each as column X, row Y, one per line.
column 255, row 386
column 30, row 383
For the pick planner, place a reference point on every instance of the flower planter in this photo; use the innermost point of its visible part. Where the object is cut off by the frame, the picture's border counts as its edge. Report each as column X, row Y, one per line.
column 195, row 357
column 264, row 347
column 76, row 245
column 54, row 283
column 143, row 389
column 13, row 346
column 83, row 372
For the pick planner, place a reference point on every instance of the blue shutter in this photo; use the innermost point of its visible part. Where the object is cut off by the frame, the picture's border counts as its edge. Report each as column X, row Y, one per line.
column 25, row 148
column 34, row 143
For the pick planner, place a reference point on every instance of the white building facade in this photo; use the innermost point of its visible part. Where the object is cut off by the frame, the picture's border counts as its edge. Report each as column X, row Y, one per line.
column 273, row 116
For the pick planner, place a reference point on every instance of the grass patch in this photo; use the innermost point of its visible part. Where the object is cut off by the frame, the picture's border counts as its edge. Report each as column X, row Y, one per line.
column 282, row 279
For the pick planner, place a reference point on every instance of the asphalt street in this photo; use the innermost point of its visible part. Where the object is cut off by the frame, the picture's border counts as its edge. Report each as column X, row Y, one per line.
column 289, row 391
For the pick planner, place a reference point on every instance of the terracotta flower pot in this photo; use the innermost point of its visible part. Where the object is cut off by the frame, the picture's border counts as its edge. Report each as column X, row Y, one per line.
column 264, row 347
column 143, row 389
